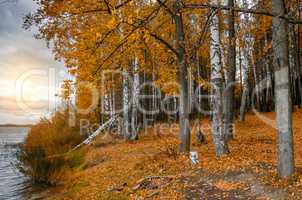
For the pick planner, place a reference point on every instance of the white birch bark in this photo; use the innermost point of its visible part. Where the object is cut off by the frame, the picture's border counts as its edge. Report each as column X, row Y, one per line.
column 126, row 92
column 247, row 51
column 135, row 93
column 223, row 37
column 216, row 80
column 106, row 104
column 245, row 93
column 126, row 107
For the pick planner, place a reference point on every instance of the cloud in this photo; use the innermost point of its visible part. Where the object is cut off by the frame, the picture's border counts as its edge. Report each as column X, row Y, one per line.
column 20, row 52
column 12, row 112
column 11, row 118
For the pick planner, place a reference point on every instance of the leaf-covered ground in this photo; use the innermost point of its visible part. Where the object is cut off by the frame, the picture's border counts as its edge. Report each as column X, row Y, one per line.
column 151, row 168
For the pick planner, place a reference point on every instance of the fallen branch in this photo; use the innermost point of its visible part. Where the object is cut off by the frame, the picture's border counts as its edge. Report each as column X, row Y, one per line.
column 96, row 133
column 142, row 181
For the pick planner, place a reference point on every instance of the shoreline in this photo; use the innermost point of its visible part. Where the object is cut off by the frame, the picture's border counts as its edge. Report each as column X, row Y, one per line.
column 115, row 169
column 16, row 125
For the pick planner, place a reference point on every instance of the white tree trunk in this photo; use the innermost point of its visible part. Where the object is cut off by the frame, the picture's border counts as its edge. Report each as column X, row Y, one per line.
column 216, row 79
column 126, row 107
column 223, row 38
column 247, row 51
column 135, row 93
column 126, row 129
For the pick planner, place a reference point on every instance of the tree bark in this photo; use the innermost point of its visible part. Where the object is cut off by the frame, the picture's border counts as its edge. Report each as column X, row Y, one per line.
column 282, row 92
column 221, row 146
column 245, row 82
column 126, row 108
column 229, row 93
column 135, row 93
column 268, row 75
column 246, row 63
column 183, row 80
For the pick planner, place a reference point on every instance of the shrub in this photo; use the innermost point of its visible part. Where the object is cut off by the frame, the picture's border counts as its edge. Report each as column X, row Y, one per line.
column 45, row 155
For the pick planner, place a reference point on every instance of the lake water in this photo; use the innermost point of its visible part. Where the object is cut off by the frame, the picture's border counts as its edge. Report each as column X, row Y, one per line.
column 13, row 185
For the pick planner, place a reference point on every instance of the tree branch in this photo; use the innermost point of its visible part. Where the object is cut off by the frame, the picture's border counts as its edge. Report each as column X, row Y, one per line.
column 243, row 10
column 124, row 40
column 102, row 9
column 166, row 7
column 108, row 6
column 157, row 37
column 164, row 42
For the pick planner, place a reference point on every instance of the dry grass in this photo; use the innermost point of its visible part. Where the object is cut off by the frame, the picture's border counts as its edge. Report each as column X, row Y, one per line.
column 118, row 167
column 43, row 156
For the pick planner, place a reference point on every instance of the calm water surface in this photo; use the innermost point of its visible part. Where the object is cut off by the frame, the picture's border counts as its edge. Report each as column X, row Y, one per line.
column 13, row 185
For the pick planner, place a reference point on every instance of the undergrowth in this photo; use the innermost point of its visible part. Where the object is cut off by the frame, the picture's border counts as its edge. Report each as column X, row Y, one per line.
column 45, row 156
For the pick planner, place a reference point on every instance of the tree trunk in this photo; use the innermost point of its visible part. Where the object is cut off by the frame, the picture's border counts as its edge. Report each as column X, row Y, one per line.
column 245, row 82
column 256, row 82
column 268, row 74
column 154, row 92
column 246, row 63
column 224, row 39
column 126, row 108
column 221, row 146
column 282, row 93
column 229, row 93
column 135, row 93
column 183, row 80
column 299, row 53
column 191, row 90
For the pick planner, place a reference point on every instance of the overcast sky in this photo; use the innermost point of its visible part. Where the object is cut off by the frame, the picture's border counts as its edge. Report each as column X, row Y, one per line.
column 24, row 64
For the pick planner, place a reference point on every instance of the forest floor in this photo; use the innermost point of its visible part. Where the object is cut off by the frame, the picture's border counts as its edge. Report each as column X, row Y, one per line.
column 151, row 168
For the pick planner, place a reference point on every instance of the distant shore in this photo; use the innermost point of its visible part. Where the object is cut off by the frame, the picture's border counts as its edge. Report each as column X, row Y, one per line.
column 16, row 125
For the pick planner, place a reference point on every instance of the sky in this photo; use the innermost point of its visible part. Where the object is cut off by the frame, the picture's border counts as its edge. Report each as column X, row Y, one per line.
column 29, row 75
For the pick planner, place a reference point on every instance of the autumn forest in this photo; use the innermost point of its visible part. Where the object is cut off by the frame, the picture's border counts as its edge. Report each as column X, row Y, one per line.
column 171, row 99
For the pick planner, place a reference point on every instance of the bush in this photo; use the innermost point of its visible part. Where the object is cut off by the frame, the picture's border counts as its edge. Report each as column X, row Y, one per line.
column 45, row 155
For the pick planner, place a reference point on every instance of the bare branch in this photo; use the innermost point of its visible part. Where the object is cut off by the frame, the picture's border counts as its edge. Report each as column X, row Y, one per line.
column 164, row 42
column 108, row 6
column 157, row 37
column 115, row 50
column 243, row 10
column 143, row 23
column 166, row 7
column 102, row 9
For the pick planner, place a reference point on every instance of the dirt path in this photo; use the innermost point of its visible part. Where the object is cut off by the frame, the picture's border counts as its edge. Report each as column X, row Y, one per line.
column 230, row 186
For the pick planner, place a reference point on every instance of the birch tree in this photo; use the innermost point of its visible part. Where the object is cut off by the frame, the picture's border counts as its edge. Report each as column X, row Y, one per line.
column 135, row 94
column 126, row 129
column 282, row 92
column 126, row 107
column 221, row 146
column 245, row 60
